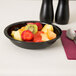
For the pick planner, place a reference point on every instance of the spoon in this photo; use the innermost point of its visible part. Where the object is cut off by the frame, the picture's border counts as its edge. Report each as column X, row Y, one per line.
column 75, row 39
column 71, row 35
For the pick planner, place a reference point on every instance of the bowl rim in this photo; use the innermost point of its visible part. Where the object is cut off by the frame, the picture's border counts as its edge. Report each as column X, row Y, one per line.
column 10, row 25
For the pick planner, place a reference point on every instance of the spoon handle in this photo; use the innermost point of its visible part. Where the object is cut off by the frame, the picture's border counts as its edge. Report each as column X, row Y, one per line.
column 75, row 39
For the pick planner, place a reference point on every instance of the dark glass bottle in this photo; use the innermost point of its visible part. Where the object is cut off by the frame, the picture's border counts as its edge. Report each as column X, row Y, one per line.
column 46, row 13
column 62, row 13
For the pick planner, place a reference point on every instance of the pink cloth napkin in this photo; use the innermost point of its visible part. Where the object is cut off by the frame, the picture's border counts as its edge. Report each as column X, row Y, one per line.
column 69, row 47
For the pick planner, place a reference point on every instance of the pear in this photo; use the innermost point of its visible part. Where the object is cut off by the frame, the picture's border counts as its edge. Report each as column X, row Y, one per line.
column 12, row 34
column 47, row 27
column 16, row 35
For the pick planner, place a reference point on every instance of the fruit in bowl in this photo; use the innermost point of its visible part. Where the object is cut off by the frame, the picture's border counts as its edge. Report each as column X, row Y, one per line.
column 34, row 32
column 39, row 37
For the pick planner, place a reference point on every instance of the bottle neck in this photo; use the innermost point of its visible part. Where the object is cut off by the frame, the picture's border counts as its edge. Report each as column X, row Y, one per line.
column 48, row 1
column 64, row 1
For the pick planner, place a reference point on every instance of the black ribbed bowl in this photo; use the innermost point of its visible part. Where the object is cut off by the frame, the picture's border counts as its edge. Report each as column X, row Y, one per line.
column 30, row 45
